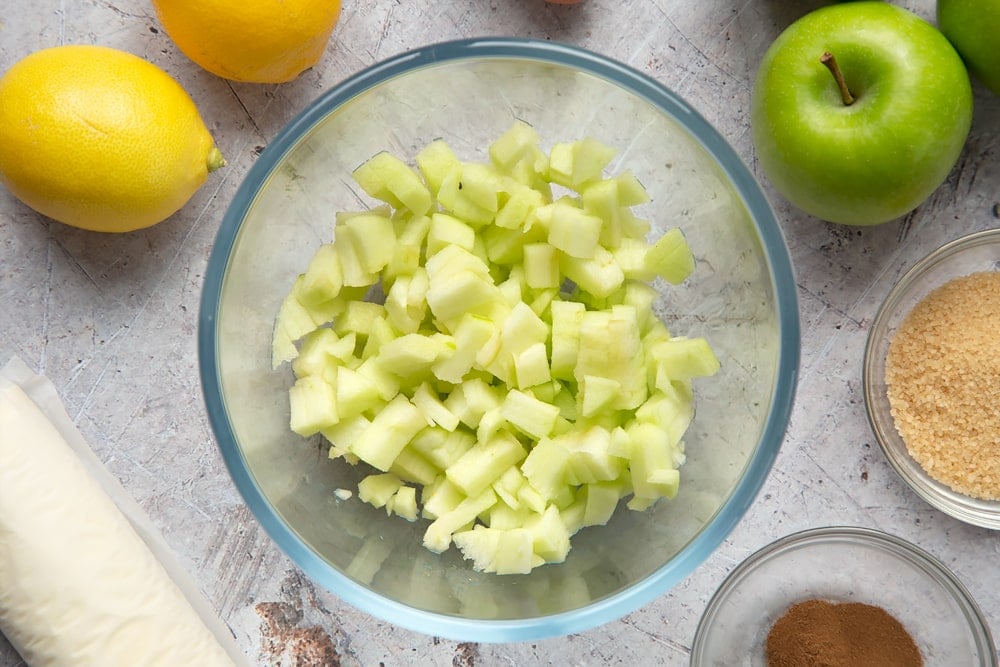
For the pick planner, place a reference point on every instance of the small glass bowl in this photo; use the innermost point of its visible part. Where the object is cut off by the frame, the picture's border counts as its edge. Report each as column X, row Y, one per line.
column 843, row 564
column 979, row 251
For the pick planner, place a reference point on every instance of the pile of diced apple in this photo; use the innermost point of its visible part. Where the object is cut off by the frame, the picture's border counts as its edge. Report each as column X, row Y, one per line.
column 488, row 347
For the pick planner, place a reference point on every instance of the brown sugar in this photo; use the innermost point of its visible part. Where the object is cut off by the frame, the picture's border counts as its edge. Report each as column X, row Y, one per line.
column 819, row 633
column 943, row 379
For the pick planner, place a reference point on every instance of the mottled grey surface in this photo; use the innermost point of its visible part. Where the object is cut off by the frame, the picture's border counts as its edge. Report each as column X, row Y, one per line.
column 112, row 321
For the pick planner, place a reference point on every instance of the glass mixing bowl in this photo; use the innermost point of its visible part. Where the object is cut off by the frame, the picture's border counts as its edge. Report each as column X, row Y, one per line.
column 978, row 251
column 741, row 297
column 843, row 564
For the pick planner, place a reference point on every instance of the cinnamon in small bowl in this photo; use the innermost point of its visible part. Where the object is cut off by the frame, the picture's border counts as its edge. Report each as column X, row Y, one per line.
column 856, row 592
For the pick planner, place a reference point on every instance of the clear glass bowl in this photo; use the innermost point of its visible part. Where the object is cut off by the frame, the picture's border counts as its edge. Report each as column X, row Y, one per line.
column 741, row 297
column 979, row 251
column 842, row 564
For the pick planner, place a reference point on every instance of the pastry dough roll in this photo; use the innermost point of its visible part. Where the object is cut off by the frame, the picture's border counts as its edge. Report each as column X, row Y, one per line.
column 78, row 586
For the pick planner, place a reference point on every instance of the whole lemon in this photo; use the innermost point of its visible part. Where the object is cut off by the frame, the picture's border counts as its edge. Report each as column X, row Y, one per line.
column 100, row 139
column 255, row 41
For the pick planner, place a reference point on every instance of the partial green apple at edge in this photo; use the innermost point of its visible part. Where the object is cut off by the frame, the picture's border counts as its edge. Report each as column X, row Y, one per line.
column 879, row 157
column 973, row 28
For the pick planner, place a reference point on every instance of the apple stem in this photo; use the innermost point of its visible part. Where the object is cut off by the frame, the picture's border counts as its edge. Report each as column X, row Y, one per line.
column 831, row 64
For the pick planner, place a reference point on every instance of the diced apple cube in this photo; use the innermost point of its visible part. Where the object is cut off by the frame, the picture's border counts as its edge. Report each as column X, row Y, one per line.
column 541, row 266
column 518, row 207
column 343, row 433
column 406, row 301
column 373, row 238
column 531, row 366
column 670, row 257
column 438, row 535
column 433, row 409
column 611, row 347
column 376, row 490
column 550, row 539
column 599, row 275
column 521, row 329
column 471, row 336
column 410, row 466
column 631, row 192
column 451, row 198
column 358, row 318
column 602, row 500
column 500, row 551
column 566, row 319
column 572, row 164
column 597, row 394
column 353, row 271
column 391, row 429
column 322, row 351
column 410, row 355
column 388, row 383
column 600, row 198
column 503, row 516
column 442, row 448
column 651, row 456
column 589, row 457
column 518, row 142
column 448, row 230
column 451, row 298
column 292, row 323
column 440, row 497
column 545, row 467
column 574, row 231
column 631, row 258
column 507, row 486
column 404, row 503
column 482, row 185
column 685, row 358
column 386, row 177
column 484, row 463
column 322, row 280
column 529, row 415
column 355, row 392
column 313, row 403
column 435, row 160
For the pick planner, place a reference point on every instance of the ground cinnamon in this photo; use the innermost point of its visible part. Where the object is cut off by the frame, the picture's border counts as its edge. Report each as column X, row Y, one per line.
column 818, row 633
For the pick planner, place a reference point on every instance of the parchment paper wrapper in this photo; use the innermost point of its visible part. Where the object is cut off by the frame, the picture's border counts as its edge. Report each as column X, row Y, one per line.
column 166, row 626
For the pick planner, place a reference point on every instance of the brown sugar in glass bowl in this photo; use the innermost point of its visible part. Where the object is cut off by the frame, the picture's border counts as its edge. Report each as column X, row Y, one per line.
column 931, row 378
column 943, row 381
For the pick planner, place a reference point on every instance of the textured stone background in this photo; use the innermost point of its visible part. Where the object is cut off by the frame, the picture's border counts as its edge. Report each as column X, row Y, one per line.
column 112, row 321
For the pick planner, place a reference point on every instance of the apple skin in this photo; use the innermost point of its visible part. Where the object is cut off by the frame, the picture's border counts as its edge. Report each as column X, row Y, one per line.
column 882, row 156
column 973, row 27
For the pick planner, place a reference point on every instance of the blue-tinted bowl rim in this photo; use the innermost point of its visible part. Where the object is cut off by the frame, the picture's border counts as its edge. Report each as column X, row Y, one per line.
column 642, row 592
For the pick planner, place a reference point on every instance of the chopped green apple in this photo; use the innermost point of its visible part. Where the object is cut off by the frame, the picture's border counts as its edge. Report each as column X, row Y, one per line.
column 490, row 355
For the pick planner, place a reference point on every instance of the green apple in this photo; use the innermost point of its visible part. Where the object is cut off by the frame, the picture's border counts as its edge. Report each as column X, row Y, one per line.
column 872, row 149
column 973, row 27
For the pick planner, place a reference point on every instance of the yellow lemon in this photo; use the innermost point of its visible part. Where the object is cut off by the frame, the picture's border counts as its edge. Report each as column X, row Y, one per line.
column 256, row 41
column 100, row 139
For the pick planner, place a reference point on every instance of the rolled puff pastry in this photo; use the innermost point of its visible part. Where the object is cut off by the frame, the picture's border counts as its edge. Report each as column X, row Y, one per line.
column 78, row 586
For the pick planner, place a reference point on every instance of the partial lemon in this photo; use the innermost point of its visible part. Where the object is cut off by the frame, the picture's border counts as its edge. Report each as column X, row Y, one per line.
column 256, row 41
column 100, row 139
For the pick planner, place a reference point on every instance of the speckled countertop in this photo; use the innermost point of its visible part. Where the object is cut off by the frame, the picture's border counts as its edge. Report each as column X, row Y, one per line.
column 111, row 320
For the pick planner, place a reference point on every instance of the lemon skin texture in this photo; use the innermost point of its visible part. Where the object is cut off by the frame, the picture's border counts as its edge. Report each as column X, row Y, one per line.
column 879, row 158
column 100, row 139
column 252, row 41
